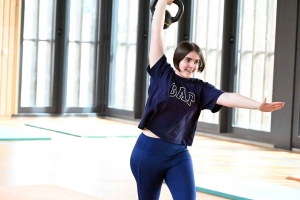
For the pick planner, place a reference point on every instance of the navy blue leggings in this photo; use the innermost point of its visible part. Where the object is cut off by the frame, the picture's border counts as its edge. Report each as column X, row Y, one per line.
column 154, row 160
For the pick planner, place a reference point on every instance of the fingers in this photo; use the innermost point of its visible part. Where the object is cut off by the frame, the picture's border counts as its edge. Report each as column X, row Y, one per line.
column 274, row 105
column 277, row 106
column 270, row 107
column 277, row 102
column 265, row 100
column 169, row 2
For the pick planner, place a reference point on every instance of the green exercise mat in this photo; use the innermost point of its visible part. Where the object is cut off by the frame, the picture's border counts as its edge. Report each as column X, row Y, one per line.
column 11, row 133
column 86, row 130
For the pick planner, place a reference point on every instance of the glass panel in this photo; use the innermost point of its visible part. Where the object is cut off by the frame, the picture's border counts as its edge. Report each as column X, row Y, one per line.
column 37, row 54
column 81, row 77
column 87, row 75
column 73, row 75
column 44, row 75
column 254, row 75
column 28, row 91
column 75, row 20
column 208, row 31
column 30, row 19
column 89, row 19
column 46, row 20
column 122, row 70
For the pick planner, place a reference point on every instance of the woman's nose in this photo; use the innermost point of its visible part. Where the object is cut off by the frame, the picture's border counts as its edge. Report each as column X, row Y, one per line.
column 193, row 65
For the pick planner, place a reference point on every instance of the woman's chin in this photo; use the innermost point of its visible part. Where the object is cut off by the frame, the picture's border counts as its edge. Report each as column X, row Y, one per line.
column 185, row 74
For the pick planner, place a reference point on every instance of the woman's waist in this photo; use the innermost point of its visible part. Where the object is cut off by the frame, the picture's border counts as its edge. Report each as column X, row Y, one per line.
column 149, row 133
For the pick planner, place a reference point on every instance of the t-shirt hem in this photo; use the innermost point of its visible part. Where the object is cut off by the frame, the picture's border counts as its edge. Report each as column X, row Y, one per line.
column 166, row 138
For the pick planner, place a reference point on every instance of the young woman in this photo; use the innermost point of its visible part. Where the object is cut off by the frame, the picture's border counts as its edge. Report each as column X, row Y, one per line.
column 170, row 118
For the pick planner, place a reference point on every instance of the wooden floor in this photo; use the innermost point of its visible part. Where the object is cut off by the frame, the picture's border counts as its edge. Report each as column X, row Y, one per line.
column 99, row 167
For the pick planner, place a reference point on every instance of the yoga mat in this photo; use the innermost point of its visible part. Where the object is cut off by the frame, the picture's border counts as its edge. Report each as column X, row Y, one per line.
column 88, row 130
column 240, row 189
column 13, row 134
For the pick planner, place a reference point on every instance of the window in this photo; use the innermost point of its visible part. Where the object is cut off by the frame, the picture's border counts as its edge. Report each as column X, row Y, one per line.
column 255, row 60
column 207, row 34
column 123, row 55
column 37, row 53
column 82, row 48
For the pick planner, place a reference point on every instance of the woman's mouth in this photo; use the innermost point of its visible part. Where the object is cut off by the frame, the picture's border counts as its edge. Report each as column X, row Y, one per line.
column 189, row 71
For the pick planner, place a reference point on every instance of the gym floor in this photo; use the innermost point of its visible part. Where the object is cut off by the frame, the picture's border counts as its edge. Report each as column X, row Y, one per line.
column 99, row 167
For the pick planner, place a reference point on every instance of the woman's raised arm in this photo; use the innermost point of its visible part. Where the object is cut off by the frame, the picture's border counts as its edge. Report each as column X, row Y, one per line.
column 156, row 42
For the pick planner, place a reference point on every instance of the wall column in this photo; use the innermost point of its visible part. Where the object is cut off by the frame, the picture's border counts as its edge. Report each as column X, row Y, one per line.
column 10, row 25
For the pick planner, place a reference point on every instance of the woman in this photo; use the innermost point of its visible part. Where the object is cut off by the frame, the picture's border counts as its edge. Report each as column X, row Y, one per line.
column 170, row 118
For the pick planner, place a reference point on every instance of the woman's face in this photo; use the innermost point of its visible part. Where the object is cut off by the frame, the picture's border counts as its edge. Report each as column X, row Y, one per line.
column 188, row 65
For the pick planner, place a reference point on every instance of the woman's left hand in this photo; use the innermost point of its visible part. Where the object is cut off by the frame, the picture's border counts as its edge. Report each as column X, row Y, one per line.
column 270, row 107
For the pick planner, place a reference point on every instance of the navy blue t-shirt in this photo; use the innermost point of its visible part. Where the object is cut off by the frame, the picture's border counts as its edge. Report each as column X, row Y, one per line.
column 175, row 103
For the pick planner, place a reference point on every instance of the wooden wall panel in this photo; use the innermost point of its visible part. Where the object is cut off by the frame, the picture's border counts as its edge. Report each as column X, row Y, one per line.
column 10, row 13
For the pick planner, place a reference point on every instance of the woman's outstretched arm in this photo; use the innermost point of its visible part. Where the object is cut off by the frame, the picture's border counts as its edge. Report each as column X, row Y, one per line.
column 239, row 101
column 156, row 43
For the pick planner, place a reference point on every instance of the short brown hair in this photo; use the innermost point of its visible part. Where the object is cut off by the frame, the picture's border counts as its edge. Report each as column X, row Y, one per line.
column 185, row 48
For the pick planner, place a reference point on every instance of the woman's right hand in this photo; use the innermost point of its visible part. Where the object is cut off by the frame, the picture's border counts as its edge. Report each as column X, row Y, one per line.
column 169, row 2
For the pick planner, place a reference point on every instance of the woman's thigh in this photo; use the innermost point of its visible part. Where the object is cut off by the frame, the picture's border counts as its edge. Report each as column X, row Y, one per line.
column 180, row 178
column 147, row 170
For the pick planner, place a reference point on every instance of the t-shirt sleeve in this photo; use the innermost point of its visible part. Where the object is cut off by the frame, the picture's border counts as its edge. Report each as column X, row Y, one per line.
column 161, row 68
column 210, row 96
